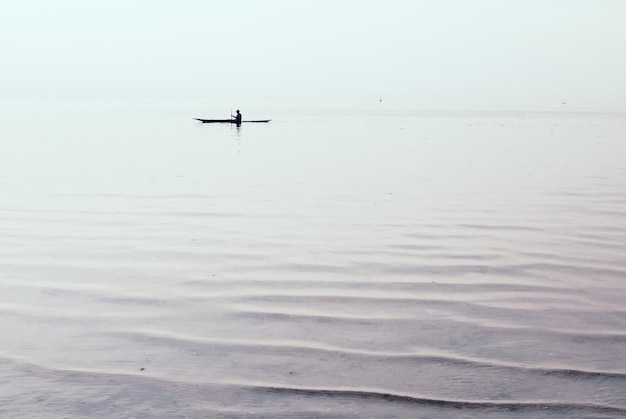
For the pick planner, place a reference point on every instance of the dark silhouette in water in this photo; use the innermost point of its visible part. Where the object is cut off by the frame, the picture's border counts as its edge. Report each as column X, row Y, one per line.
column 234, row 119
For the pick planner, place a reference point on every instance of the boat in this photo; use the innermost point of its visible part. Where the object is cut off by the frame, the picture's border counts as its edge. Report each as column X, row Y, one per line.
column 231, row 121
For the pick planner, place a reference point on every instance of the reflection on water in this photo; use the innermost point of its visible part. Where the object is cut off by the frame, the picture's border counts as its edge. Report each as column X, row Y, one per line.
column 357, row 265
column 237, row 138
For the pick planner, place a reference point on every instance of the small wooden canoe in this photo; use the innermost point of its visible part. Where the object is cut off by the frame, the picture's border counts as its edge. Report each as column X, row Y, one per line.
column 228, row 121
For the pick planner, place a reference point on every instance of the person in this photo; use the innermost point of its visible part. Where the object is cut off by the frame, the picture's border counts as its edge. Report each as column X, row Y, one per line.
column 238, row 117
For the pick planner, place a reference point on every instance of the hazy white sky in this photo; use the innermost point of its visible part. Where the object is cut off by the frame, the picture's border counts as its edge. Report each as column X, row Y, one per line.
column 410, row 52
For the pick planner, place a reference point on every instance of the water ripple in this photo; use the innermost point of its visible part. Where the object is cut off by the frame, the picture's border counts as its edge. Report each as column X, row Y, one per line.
column 476, row 405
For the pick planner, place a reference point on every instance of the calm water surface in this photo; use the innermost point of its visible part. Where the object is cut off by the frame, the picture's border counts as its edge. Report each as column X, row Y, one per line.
column 367, row 263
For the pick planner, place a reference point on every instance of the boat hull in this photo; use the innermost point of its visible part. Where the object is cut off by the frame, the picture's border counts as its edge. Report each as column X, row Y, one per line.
column 227, row 121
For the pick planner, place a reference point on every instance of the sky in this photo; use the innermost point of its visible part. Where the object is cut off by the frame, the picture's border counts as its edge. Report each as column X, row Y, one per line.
column 413, row 53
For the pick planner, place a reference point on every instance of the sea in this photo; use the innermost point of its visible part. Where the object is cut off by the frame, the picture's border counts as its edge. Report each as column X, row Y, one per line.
column 333, row 263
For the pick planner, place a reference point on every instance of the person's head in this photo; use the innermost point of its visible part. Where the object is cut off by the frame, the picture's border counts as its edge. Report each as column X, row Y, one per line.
column 237, row 110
